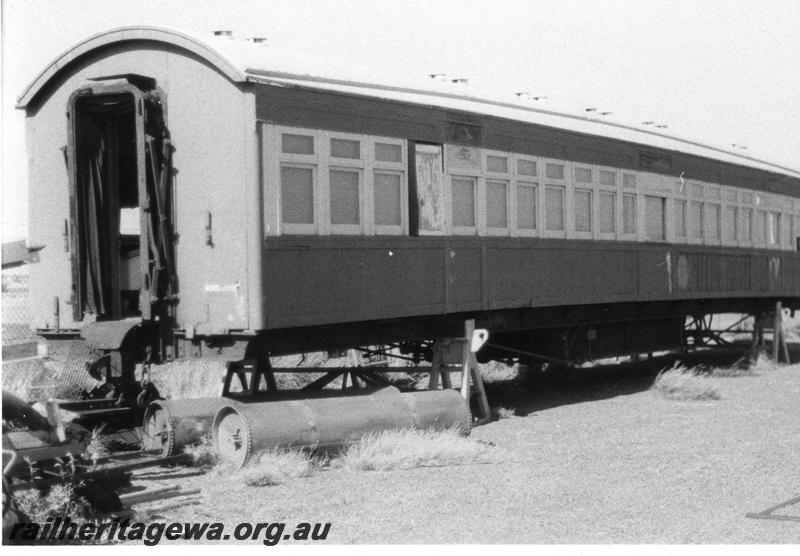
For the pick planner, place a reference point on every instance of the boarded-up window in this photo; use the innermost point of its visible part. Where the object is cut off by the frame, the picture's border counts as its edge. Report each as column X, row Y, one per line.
column 430, row 189
column 654, row 218
column 526, row 167
column 554, row 208
column 730, row 223
column 680, row 219
column 498, row 164
column 526, row 206
column 554, row 171
column 463, row 194
column 713, row 212
column 629, row 214
column 608, row 212
column 696, row 220
column 583, row 210
column 292, row 143
column 345, row 148
column 388, row 201
column 297, row 195
column 496, row 204
column 344, row 197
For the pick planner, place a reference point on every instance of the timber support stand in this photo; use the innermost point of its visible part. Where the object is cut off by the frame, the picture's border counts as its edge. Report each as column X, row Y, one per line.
column 460, row 353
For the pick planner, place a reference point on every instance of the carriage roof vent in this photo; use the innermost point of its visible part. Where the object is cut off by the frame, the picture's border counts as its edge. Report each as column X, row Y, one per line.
column 257, row 40
column 223, row 33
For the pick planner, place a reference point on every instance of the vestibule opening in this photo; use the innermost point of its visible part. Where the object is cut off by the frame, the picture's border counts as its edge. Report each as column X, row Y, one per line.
column 108, row 206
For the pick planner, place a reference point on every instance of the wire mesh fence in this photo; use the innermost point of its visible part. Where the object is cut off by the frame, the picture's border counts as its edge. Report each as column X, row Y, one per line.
column 16, row 308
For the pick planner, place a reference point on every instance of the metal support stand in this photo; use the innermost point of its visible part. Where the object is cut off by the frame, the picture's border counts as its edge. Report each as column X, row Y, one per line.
column 249, row 374
column 460, row 353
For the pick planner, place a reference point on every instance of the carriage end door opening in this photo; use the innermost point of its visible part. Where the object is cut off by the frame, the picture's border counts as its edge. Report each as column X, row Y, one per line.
column 118, row 157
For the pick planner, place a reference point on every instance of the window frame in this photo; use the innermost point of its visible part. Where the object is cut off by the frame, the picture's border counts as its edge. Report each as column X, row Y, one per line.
column 664, row 226
column 333, row 163
column 527, row 180
column 483, row 186
column 462, row 230
column 294, row 160
column 563, row 185
column 616, row 189
column 387, row 167
column 708, row 208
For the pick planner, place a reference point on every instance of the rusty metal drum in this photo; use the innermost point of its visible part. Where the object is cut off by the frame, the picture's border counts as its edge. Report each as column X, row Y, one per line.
column 244, row 429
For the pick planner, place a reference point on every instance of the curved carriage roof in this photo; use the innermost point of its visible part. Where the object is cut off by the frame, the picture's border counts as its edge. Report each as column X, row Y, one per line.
column 246, row 60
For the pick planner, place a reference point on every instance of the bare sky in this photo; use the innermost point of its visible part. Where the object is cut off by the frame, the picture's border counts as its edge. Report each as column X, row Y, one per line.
column 722, row 72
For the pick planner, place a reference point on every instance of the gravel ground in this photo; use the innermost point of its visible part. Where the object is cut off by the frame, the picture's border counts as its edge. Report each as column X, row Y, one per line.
column 603, row 462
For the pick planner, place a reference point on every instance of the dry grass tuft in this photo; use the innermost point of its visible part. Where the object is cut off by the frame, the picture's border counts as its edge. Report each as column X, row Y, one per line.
column 60, row 501
column 494, row 371
column 97, row 448
column 410, row 448
column 189, row 378
column 500, row 412
column 743, row 367
column 685, row 384
column 278, row 465
column 203, row 453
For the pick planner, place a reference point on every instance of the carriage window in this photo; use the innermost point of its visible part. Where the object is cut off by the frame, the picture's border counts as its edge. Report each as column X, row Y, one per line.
column 496, row 204
column 629, row 214
column 344, row 187
column 712, row 222
column 680, row 219
column 696, row 220
column 388, row 199
column 608, row 212
column 608, row 178
column 526, row 206
column 345, row 148
column 747, row 225
column 463, row 195
column 430, row 188
column 297, row 195
column 760, row 229
column 497, row 164
column 583, row 210
column 292, row 143
column 387, row 152
column 629, row 181
column 654, row 218
column 554, row 171
column 554, row 208
column 526, row 167
column 730, row 223
column 583, row 175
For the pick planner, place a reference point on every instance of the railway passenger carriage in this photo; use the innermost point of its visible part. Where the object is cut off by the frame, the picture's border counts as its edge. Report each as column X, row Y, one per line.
column 217, row 196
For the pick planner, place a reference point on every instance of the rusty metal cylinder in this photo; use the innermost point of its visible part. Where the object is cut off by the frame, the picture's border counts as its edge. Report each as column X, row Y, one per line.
column 170, row 425
column 244, row 429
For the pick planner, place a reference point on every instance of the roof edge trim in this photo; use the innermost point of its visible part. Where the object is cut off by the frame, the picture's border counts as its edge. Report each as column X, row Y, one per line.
column 124, row 34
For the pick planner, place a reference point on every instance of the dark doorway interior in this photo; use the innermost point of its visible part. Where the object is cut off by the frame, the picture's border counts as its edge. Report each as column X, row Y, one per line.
column 108, row 205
